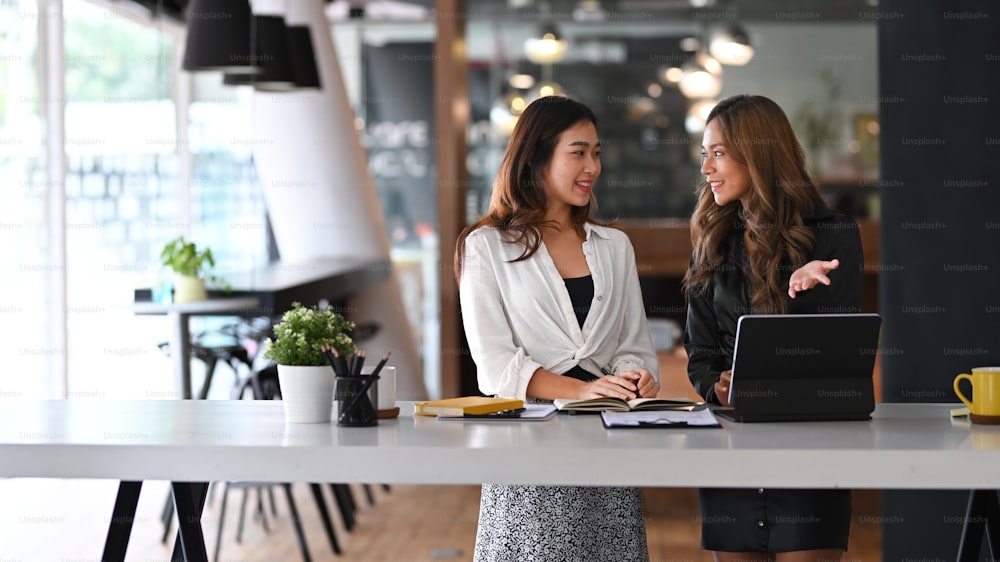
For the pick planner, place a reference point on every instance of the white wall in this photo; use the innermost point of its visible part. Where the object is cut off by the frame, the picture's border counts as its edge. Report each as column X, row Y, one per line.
column 789, row 57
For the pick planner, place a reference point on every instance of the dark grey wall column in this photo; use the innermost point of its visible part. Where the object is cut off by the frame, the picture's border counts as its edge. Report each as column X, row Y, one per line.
column 939, row 110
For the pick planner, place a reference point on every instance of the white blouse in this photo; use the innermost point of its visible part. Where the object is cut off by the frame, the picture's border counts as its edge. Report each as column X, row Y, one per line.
column 518, row 315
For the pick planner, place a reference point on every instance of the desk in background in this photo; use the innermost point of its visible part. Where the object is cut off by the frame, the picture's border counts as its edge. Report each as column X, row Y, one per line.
column 280, row 284
column 268, row 291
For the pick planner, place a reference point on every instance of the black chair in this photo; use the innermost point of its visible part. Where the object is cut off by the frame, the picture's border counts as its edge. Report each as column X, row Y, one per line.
column 238, row 343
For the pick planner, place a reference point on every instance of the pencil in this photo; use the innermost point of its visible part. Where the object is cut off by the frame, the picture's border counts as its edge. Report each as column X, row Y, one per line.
column 378, row 368
column 360, row 364
column 351, row 361
column 330, row 357
column 341, row 362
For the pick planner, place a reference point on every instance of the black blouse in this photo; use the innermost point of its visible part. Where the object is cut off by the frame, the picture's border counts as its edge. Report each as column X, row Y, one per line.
column 710, row 333
column 581, row 293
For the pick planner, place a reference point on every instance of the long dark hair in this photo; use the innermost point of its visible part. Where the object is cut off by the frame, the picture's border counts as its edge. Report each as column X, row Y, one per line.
column 518, row 203
column 757, row 134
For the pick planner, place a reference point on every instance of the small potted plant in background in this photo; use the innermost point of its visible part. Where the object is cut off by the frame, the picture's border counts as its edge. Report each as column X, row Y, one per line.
column 304, row 373
column 191, row 267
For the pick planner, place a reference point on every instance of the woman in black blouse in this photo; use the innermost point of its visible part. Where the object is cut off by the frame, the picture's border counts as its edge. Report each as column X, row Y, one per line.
column 765, row 242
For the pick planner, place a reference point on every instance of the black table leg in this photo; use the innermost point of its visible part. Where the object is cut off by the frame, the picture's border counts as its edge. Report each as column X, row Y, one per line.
column 299, row 534
column 189, row 500
column 122, row 518
column 342, row 495
column 982, row 516
column 324, row 514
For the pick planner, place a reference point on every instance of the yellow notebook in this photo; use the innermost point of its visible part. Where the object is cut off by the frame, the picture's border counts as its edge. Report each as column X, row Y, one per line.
column 466, row 405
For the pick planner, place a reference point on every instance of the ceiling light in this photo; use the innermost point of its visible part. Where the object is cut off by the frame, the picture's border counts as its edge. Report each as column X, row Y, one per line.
column 673, row 74
column 699, row 80
column 502, row 118
column 689, row 44
column 732, row 47
column 589, row 10
column 544, row 88
column 697, row 115
column 271, row 52
column 550, row 89
column 300, row 49
column 218, row 37
column 521, row 81
column 549, row 48
column 517, row 103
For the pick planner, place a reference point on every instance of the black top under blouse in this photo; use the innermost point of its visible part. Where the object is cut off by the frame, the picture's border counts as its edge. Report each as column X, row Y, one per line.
column 581, row 293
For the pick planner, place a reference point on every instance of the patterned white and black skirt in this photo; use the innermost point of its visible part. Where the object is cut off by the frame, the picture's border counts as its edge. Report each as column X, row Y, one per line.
column 560, row 523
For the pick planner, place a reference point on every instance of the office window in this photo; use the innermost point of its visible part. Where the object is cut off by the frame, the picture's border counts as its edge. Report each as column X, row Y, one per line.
column 227, row 204
column 24, row 271
column 121, row 186
column 135, row 181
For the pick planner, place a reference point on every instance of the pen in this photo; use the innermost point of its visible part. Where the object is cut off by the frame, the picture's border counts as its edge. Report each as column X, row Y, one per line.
column 512, row 413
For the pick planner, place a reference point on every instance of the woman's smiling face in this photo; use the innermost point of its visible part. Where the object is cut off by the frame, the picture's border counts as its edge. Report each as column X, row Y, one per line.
column 729, row 179
column 569, row 177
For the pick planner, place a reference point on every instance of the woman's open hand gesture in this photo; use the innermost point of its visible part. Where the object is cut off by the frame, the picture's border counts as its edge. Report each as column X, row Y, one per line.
column 811, row 274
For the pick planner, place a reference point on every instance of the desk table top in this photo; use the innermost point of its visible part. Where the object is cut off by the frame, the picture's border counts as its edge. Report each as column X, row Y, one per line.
column 904, row 446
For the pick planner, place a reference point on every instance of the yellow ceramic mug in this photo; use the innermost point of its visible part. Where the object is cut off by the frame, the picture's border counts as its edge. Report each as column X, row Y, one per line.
column 985, row 404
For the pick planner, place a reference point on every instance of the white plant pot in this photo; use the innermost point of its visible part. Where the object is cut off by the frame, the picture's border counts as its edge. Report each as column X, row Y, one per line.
column 306, row 393
column 189, row 289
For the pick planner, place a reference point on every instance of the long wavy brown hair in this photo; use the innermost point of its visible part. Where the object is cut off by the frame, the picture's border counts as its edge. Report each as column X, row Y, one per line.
column 757, row 134
column 518, row 203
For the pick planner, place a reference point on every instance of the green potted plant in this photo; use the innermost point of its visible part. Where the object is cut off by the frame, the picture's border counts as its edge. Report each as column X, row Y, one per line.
column 821, row 122
column 304, row 372
column 191, row 267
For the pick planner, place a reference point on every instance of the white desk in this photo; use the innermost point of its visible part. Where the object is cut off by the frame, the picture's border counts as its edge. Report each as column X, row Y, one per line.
column 905, row 446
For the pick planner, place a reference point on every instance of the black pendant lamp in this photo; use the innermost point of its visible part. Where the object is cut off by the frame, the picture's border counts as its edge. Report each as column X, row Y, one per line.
column 300, row 49
column 271, row 53
column 218, row 37
column 286, row 56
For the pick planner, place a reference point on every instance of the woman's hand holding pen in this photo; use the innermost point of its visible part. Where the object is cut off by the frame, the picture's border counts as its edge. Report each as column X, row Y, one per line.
column 626, row 385
column 811, row 274
column 644, row 382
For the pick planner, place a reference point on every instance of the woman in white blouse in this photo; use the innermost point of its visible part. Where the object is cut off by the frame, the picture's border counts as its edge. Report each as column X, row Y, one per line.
column 552, row 308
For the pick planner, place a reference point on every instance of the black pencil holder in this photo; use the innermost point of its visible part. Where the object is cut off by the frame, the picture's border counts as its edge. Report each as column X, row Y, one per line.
column 357, row 406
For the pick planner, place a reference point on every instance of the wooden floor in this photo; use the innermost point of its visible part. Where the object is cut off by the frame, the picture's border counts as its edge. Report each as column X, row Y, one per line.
column 65, row 520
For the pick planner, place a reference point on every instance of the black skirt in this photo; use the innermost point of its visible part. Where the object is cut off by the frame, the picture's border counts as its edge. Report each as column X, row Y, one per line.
column 774, row 520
